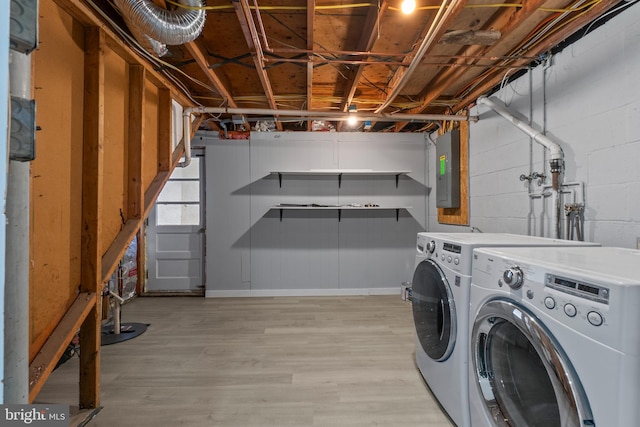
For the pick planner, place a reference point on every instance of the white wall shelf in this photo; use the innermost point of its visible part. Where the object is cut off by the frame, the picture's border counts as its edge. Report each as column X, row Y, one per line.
column 340, row 173
column 339, row 208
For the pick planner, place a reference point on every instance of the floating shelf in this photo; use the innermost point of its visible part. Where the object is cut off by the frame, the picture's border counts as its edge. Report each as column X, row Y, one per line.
column 338, row 208
column 340, row 173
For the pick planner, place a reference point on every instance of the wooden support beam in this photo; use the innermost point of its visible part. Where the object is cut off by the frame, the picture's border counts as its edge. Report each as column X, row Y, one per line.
column 550, row 41
column 197, row 53
column 401, row 72
column 311, row 12
column 118, row 247
column 165, row 121
column 92, row 184
column 135, row 193
column 367, row 40
column 52, row 350
column 88, row 18
column 507, row 22
column 245, row 18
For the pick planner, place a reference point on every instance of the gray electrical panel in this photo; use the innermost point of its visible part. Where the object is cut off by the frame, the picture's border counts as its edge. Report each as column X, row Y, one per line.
column 448, row 170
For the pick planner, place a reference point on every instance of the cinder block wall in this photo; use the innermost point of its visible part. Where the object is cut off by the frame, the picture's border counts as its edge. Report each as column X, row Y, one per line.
column 587, row 98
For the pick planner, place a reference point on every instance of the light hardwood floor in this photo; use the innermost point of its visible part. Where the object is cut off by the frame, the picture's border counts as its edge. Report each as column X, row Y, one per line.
column 329, row 361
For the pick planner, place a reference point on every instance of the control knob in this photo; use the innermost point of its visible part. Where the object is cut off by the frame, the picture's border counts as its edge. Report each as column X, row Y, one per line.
column 513, row 277
column 431, row 246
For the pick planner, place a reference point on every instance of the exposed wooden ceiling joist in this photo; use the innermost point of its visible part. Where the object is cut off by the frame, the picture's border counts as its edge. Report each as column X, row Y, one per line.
column 324, row 55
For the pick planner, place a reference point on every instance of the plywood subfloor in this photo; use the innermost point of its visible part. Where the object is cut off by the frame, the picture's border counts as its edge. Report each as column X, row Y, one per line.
column 330, row 361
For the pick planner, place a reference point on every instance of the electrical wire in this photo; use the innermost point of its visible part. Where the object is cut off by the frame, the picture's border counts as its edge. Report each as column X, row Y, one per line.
column 362, row 5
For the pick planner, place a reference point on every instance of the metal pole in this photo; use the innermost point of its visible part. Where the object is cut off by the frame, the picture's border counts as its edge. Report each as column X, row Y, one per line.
column 16, row 338
column 5, row 10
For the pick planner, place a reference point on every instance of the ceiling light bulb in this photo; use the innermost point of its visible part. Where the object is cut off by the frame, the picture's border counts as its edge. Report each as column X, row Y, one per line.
column 408, row 6
column 352, row 118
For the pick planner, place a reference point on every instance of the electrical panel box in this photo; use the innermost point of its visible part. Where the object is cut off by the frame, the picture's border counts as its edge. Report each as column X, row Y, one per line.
column 448, row 170
column 23, row 26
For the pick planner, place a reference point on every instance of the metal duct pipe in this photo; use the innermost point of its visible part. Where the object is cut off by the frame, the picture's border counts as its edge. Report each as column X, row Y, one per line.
column 172, row 27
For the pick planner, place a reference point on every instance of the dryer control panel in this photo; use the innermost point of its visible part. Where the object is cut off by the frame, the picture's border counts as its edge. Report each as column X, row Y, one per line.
column 578, row 288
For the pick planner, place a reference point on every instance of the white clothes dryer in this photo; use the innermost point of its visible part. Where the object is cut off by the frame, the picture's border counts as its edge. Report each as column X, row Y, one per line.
column 440, row 302
column 555, row 339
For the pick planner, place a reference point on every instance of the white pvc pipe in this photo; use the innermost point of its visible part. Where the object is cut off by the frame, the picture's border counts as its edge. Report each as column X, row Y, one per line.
column 330, row 115
column 554, row 149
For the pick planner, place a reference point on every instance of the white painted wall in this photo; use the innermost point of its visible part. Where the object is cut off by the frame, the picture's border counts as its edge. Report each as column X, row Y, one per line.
column 5, row 9
column 592, row 106
column 251, row 252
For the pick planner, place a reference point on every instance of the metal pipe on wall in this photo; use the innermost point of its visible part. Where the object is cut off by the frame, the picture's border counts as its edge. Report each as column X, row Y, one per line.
column 16, row 338
column 331, row 116
column 556, row 161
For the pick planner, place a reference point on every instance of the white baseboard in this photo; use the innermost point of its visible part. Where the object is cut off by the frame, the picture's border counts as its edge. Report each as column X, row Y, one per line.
column 300, row 292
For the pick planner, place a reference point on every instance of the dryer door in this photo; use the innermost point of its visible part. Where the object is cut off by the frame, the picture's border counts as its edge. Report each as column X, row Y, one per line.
column 434, row 311
column 524, row 377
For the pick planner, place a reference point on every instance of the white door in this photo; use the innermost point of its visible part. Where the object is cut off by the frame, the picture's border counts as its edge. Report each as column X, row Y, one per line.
column 175, row 232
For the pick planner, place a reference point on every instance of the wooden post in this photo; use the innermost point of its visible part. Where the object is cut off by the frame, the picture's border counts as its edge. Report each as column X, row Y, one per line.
column 135, row 196
column 165, row 147
column 92, row 182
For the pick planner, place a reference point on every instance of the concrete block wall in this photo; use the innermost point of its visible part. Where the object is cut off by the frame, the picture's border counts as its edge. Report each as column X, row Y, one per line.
column 587, row 98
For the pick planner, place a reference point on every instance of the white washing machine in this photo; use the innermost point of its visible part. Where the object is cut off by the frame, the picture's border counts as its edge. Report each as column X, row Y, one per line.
column 555, row 339
column 440, row 300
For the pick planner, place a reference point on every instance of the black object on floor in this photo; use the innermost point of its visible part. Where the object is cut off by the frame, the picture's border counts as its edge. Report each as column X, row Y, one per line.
column 127, row 332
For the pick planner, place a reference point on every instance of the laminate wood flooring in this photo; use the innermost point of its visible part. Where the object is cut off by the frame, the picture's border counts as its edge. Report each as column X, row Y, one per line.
column 311, row 361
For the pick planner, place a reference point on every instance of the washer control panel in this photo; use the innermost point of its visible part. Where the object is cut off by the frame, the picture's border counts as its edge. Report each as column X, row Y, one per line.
column 576, row 288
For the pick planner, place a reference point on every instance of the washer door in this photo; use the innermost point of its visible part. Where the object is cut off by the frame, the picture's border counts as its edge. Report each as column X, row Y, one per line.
column 524, row 377
column 434, row 311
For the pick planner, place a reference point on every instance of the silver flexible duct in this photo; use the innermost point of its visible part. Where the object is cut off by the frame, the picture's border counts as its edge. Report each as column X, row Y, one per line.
column 172, row 27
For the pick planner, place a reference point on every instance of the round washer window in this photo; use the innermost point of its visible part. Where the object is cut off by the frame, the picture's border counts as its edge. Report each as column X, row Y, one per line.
column 522, row 373
column 433, row 311
column 520, row 382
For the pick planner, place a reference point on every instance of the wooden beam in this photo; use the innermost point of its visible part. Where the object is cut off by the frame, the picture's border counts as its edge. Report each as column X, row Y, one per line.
column 400, row 72
column 118, row 247
column 246, row 21
column 165, row 129
column 197, row 53
column 52, row 350
column 367, row 40
column 552, row 40
column 92, row 183
column 135, row 196
column 88, row 18
column 311, row 12
column 507, row 22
